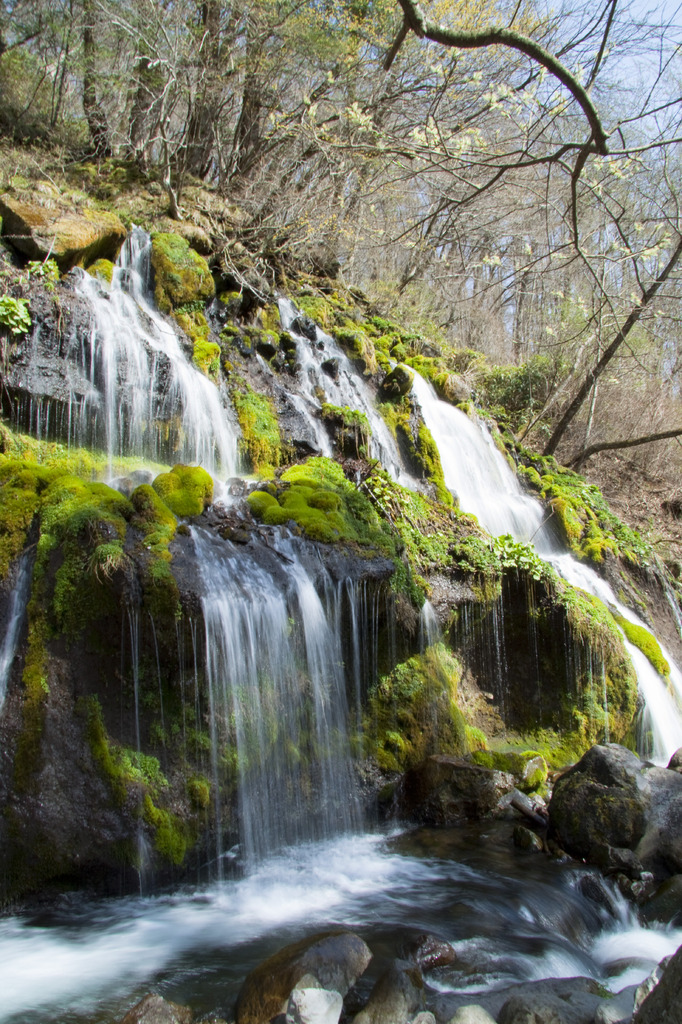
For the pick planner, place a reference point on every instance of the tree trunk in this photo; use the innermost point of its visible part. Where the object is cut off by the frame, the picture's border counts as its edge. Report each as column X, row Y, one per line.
column 92, row 108
column 597, row 370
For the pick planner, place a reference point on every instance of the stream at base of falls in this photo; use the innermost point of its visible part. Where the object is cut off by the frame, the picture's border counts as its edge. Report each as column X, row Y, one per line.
column 510, row 916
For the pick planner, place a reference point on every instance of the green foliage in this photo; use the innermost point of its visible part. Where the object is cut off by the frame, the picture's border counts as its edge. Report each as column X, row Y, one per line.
column 46, row 271
column 199, row 792
column 261, row 442
column 413, row 712
column 170, row 833
column 515, row 393
column 186, row 490
column 647, row 644
column 14, row 314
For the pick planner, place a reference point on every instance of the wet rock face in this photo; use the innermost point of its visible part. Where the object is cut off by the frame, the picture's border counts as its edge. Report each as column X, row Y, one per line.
column 662, row 1004
column 611, row 800
column 443, row 790
column 335, row 959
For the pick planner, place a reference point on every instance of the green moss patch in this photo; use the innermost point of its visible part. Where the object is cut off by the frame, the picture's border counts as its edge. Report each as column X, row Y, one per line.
column 261, row 442
column 186, row 490
column 413, row 712
column 181, row 275
column 647, row 644
column 528, row 767
column 589, row 527
column 416, row 443
column 318, row 498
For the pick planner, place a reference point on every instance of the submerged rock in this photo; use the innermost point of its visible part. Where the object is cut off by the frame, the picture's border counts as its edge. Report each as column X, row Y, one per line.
column 428, row 951
column 153, row 1009
column 472, row 1014
column 335, row 959
column 443, row 790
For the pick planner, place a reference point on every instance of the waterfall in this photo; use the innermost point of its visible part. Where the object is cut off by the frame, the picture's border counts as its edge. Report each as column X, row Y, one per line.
column 346, row 388
column 15, row 617
column 486, row 485
column 145, row 398
column 278, row 692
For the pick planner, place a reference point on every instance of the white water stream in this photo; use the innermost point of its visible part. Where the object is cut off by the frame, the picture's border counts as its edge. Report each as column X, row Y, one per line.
column 486, row 485
column 147, row 397
column 345, row 388
column 15, row 617
column 509, row 917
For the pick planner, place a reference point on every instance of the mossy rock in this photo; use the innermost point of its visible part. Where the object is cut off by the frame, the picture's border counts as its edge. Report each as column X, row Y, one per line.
column 261, row 441
column 412, row 712
column 103, row 269
column 46, row 226
column 358, row 347
column 528, row 767
column 181, row 275
column 186, row 490
column 318, row 498
column 397, row 383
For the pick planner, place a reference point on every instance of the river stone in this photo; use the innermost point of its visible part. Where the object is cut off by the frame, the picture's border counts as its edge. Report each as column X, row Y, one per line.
column 336, row 959
column 471, row 1015
column 598, row 801
column 444, row 789
column 663, row 1004
column 428, row 951
column 396, row 997
column 525, row 839
column 314, row 1006
column 153, row 1009
column 43, row 225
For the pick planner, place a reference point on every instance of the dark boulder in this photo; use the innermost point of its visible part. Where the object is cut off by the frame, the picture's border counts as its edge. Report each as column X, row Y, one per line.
column 335, row 959
column 610, row 803
column 444, row 789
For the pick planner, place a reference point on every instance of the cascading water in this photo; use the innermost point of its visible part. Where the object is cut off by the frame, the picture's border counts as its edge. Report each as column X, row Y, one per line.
column 344, row 388
column 478, row 473
column 146, row 398
column 278, row 691
column 15, row 617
